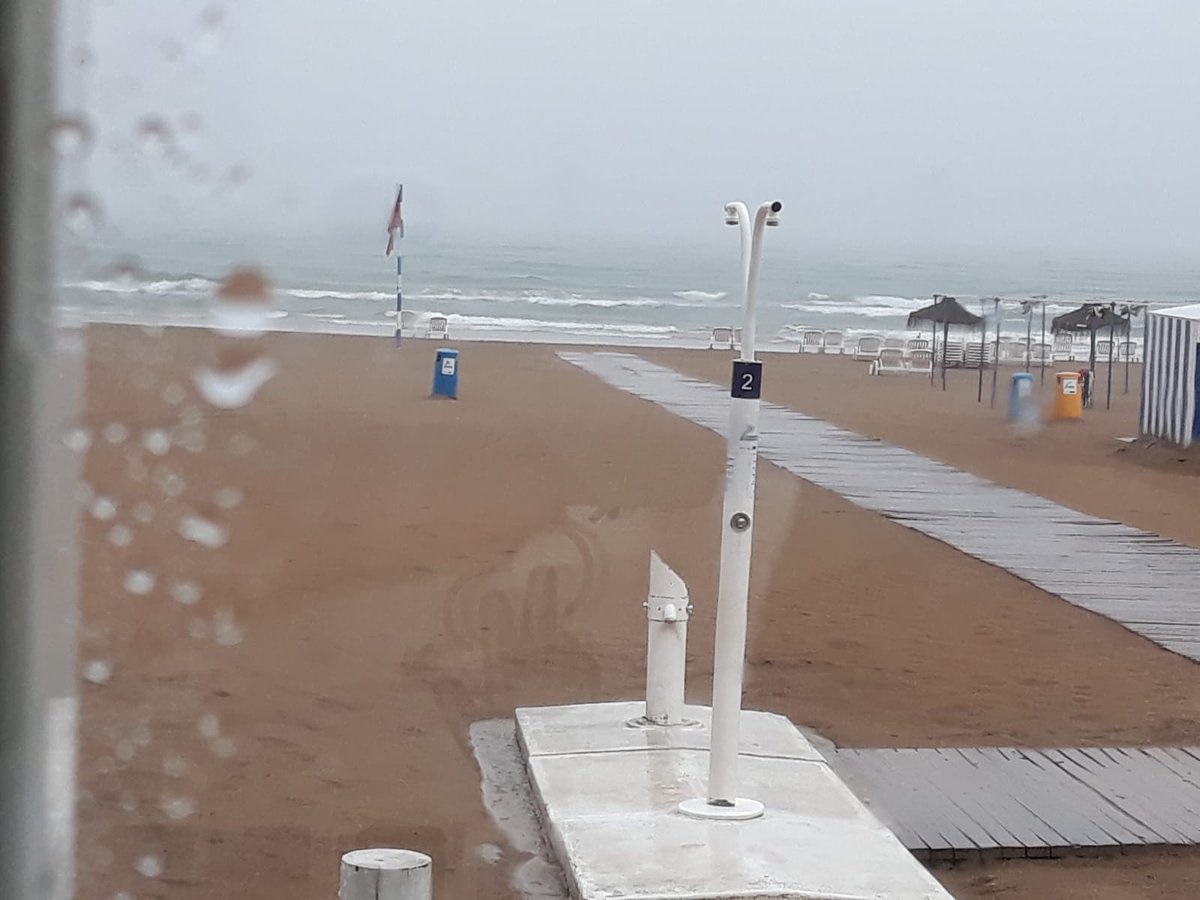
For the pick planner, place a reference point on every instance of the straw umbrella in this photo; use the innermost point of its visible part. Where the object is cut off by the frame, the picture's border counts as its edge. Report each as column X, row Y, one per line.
column 944, row 311
column 1092, row 317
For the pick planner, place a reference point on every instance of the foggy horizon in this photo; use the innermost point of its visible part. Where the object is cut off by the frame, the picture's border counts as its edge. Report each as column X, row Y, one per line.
column 937, row 128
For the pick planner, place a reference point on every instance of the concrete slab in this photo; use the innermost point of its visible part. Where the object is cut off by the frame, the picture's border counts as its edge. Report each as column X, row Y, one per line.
column 608, row 793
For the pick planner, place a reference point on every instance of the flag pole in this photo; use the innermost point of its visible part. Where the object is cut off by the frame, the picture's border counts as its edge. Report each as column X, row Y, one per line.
column 399, row 268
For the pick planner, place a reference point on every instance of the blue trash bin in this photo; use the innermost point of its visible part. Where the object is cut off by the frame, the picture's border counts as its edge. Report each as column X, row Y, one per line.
column 445, row 373
column 1020, row 398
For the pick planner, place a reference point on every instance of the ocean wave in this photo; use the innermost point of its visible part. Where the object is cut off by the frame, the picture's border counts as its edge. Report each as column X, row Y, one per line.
column 700, row 295
column 192, row 284
column 505, row 323
column 537, row 298
column 321, row 294
column 813, row 295
column 848, row 309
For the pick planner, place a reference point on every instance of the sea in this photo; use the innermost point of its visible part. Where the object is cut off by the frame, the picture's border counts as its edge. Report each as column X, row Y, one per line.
column 651, row 292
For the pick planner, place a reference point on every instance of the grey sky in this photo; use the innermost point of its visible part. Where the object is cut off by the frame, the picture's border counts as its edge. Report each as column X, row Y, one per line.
column 1069, row 125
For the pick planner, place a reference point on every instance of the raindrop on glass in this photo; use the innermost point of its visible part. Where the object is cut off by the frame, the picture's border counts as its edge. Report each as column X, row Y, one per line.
column 226, row 631
column 71, row 137
column 203, row 532
column 154, row 136
column 211, row 20
column 223, row 747
column 228, row 498
column 141, row 735
column 242, row 308
column 186, row 592
column 143, row 512
column 78, row 439
column 198, row 629
column 199, row 172
column 193, row 441
column 209, row 726
column 191, row 416
column 84, row 492
column 136, row 470
column 230, row 389
column 241, row 444
column 122, row 895
column 81, row 213
column 156, row 441
column 125, row 750
column 126, row 272
column 176, row 807
column 149, row 866
column 120, row 536
column 97, row 671
column 174, row 765
column 139, row 582
column 171, row 484
column 104, row 508
column 173, row 394
column 128, row 801
column 115, row 433
column 237, row 174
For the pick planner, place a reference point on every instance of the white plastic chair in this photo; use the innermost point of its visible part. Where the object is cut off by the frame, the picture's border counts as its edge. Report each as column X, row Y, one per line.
column 952, row 353
column 920, row 361
column 915, row 344
column 438, row 328
column 832, row 342
column 408, row 322
column 722, row 338
column 893, row 343
column 868, row 347
column 1103, row 350
column 1063, row 348
column 811, row 340
column 1040, row 353
column 890, row 361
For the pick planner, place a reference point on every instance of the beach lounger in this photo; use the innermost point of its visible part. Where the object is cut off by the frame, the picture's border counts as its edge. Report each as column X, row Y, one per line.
column 868, row 347
column 1129, row 350
column 1103, row 350
column 811, row 340
column 737, row 339
column 831, row 342
column 952, row 353
column 893, row 343
column 920, row 361
column 438, row 328
column 1013, row 352
column 890, row 361
column 1063, row 348
column 722, row 339
column 915, row 344
column 1040, row 354
column 408, row 323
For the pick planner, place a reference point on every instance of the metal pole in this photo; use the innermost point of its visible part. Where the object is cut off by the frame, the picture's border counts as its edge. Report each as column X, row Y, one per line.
column 996, row 359
column 26, row 116
column 1045, row 353
column 386, row 874
column 982, row 354
column 729, row 653
column 1112, row 348
column 667, row 612
column 399, row 294
column 933, row 365
column 945, row 332
column 1028, row 338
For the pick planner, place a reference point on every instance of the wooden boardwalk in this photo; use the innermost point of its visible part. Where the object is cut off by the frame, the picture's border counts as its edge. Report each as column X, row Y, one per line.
column 1145, row 582
column 1001, row 801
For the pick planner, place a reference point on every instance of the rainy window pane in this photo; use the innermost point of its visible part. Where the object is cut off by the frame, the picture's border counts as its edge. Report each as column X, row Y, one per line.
column 391, row 340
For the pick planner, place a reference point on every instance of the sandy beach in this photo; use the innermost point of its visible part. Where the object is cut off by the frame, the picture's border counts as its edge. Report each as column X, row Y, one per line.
column 383, row 569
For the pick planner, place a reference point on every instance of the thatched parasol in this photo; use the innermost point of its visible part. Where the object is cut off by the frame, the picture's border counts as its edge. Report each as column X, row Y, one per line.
column 944, row 311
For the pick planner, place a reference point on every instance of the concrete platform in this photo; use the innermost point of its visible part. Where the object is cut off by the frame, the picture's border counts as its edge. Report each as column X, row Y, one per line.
column 607, row 793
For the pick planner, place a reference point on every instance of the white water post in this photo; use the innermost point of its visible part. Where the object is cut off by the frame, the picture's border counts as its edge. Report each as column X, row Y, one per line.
column 737, row 532
column 667, row 612
column 384, row 874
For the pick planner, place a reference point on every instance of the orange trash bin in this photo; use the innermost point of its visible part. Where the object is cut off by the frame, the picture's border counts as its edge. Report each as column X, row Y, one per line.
column 1068, row 397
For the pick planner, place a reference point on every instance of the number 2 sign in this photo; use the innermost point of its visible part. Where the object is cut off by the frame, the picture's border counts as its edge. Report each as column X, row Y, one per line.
column 747, row 380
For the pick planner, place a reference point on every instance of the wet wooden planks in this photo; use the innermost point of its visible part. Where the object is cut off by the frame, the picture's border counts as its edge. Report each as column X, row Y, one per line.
column 1141, row 580
column 1002, row 801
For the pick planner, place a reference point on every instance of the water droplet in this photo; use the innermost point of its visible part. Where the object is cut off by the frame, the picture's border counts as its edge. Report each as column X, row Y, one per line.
column 128, row 801
column 230, row 389
column 156, row 441
column 120, row 536
column 104, row 508
column 198, row 629
column 97, row 671
column 125, row 750
column 176, row 807
column 186, row 592
column 174, row 765
column 190, row 416
column 141, row 735
column 169, row 482
column 193, row 441
column 136, row 470
column 211, row 21
column 490, row 853
column 143, row 512
column 154, row 136
column 199, row 172
column 202, row 531
column 223, row 747
column 71, row 137
column 115, row 433
column 81, row 214
column 228, row 498
column 139, row 582
column 226, row 631
column 78, row 439
column 242, row 307
column 241, row 444
column 122, row 895
column 173, row 394
column 149, row 866
column 106, row 765
column 209, row 726
column 84, row 492
column 237, row 174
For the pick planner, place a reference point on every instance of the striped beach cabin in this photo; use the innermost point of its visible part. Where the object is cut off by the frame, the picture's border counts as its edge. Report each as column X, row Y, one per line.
column 1169, row 379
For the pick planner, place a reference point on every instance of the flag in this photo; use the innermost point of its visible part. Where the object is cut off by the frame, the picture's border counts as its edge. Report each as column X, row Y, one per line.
column 395, row 223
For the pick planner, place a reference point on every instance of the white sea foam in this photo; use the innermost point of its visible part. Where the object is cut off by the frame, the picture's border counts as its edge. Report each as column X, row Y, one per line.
column 700, row 295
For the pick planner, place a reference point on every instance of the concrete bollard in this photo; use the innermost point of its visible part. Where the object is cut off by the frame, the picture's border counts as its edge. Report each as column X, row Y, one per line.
column 667, row 611
column 383, row 874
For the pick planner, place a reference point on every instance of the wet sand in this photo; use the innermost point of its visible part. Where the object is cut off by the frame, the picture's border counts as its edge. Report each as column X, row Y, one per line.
column 399, row 567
